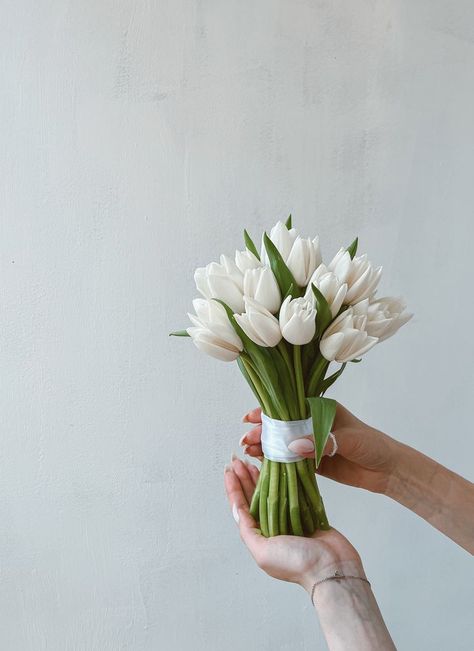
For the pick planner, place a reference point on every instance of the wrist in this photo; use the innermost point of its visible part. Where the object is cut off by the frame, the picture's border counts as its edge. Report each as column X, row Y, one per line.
column 348, row 566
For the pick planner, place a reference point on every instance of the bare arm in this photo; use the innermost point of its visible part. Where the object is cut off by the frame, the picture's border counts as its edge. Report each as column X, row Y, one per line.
column 347, row 609
column 438, row 495
column 349, row 614
column 367, row 458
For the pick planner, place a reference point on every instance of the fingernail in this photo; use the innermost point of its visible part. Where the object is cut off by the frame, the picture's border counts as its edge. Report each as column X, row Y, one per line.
column 233, row 457
column 245, row 419
column 242, row 439
column 227, row 468
column 301, row 445
column 246, row 447
column 235, row 513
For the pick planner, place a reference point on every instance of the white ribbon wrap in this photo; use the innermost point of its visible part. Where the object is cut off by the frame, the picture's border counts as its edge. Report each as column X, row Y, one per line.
column 278, row 434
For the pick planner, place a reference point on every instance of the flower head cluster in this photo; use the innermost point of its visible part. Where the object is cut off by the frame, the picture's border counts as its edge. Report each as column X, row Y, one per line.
column 289, row 295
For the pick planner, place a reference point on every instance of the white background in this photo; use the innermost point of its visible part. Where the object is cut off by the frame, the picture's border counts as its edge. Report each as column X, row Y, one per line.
column 138, row 139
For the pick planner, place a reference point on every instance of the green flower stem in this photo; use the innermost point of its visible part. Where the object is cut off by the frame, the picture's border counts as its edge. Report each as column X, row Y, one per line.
column 323, row 518
column 299, row 380
column 295, row 517
column 265, row 399
column 290, row 391
column 263, row 507
column 273, row 515
column 308, row 481
column 316, row 374
column 255, row 502
column 308, row 478
column 286, row 357
column 283, row 500
column 306, row 518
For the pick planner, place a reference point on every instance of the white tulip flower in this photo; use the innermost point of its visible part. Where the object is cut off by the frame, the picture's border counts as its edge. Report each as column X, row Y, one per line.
column 300, row 255
column 283, row 238
column 246, row 260
column 346, row 337
column 297, row 320
column 259, row 324
column 261, row 285
column 385, row 316
column 223, row 281
column 359, row 274
column 330, row 287
column 212, row 332
column 304, row 257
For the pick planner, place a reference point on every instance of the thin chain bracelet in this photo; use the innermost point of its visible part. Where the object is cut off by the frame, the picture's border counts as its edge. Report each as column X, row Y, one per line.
column 335, row 576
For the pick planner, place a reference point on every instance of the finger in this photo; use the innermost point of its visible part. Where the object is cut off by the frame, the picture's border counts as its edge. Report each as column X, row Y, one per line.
column 304, row 446
column 254, row 472
column 250, row 534
column 252, row 437
column 254, row 450
column 247, row 525
column 242, row 472
column 254, row 416
column 344, row 418
column 233, row 487
column 341, row 470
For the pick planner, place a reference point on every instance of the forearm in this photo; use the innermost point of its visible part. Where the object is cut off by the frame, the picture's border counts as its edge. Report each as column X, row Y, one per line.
column 348, row 612
column 438, row 495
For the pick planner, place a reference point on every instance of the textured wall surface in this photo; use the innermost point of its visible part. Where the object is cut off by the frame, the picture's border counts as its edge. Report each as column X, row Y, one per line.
column 138, row 138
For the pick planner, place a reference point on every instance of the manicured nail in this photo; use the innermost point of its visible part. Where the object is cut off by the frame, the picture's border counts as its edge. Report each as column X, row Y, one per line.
column 233, row 457
column 242, row 439
column 235, row 513
column 301, row 445
column 245, row 419
column 227, row 468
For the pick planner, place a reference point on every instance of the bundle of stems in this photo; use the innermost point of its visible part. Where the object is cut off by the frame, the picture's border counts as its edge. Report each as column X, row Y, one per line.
column 287, row 499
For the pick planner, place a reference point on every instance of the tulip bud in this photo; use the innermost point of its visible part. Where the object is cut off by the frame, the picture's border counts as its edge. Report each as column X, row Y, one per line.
column 330, row 287
column 223, row 281
column 359, row 275
column 303, row 259
column 246, row 260
column 261, row 285
column 297, row 320
column 386, row 316
column 259, row 324
column 346, row 338
column 282, row 238
column 212, row 332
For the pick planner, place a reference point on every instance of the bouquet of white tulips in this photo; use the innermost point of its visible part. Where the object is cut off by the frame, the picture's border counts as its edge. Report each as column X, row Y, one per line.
column 284, row 316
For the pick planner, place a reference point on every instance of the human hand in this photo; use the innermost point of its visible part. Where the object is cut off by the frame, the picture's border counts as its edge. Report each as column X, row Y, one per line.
column 288, row 558
column 366, row 458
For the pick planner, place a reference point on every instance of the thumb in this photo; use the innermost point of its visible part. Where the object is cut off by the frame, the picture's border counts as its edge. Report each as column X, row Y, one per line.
column 304, row 447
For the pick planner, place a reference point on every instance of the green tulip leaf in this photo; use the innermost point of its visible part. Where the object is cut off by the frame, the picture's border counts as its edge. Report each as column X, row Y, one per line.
column 352, row 248
column 249, row 380
column 323, row 412
column 283, row 275
column 261, row 359
column 288, row 222
column 179, row 333
column 250, row 245
column 329, row 381
column 323, row 311
column 289, row 292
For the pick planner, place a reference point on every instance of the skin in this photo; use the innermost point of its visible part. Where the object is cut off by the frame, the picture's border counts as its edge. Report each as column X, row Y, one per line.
column 367, row 458
column 347, row 609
